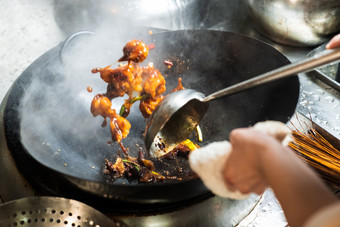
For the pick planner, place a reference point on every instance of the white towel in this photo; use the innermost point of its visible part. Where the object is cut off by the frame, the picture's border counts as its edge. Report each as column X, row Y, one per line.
column 208, row 162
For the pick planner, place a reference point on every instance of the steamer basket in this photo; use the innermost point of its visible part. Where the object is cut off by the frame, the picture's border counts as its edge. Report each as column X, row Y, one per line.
column 52, row 211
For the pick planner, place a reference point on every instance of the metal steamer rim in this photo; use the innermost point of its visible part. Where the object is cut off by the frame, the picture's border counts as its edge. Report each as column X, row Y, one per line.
column 52, row 211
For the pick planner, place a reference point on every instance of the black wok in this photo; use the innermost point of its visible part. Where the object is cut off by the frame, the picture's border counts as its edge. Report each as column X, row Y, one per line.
column 48, row 111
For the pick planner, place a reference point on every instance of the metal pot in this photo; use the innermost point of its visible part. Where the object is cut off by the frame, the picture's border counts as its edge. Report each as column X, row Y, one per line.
column 296, row 22
column 73, row 16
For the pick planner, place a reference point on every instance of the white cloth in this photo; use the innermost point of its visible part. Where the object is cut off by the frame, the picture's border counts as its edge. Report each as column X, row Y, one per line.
column 208, row 162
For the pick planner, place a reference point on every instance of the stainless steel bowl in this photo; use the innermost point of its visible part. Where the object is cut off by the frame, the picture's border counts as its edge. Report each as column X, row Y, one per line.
column 77, row 15
column 296, row 22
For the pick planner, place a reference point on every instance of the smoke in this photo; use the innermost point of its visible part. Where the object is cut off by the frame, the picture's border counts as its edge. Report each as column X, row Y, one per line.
column 57, row 127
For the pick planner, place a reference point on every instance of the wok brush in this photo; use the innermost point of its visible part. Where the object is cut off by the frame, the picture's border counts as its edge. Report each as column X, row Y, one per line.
column 318, row 153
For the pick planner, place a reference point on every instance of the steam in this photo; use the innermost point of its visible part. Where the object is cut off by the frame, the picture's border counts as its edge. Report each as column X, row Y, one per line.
column 55, row 109
column 57, row 127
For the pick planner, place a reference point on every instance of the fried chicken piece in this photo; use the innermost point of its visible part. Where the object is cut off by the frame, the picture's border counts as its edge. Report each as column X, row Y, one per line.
column 100, row 105
column 145, row 84
column 154, row 86
column 153, row 81
column 125, row 79
column 120, row 128
column 135, row 51
column 148, row 105
column 128, row 78
column 105, row 73
column 133, row 80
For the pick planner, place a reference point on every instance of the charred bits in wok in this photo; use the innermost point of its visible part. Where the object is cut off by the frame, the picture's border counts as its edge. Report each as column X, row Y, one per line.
column 143, row 84
column 132, row 168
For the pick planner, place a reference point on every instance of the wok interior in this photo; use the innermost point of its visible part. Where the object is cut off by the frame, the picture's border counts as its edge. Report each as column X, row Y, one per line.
column 58, row 130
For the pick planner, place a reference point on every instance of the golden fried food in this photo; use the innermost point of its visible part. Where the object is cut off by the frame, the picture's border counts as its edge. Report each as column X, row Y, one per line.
column 144, row 84
column 125, row 79
column 153, row 81
column 148, row 105
column 135, row 51
column 100, row 106
column 119, row 126
column 105, row 73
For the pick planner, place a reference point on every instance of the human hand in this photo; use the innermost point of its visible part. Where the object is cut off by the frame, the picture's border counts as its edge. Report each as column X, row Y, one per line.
column 334, row 42
column 251, row 149
column 258, row 161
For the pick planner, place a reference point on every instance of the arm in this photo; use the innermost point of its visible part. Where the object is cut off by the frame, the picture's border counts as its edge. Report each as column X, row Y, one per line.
column 258, row 161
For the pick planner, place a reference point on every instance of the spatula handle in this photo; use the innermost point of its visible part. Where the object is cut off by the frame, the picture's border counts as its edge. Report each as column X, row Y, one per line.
column 323, row 58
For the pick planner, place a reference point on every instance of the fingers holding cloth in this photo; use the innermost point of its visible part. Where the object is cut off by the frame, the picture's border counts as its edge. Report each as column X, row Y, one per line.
column 233, row 169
